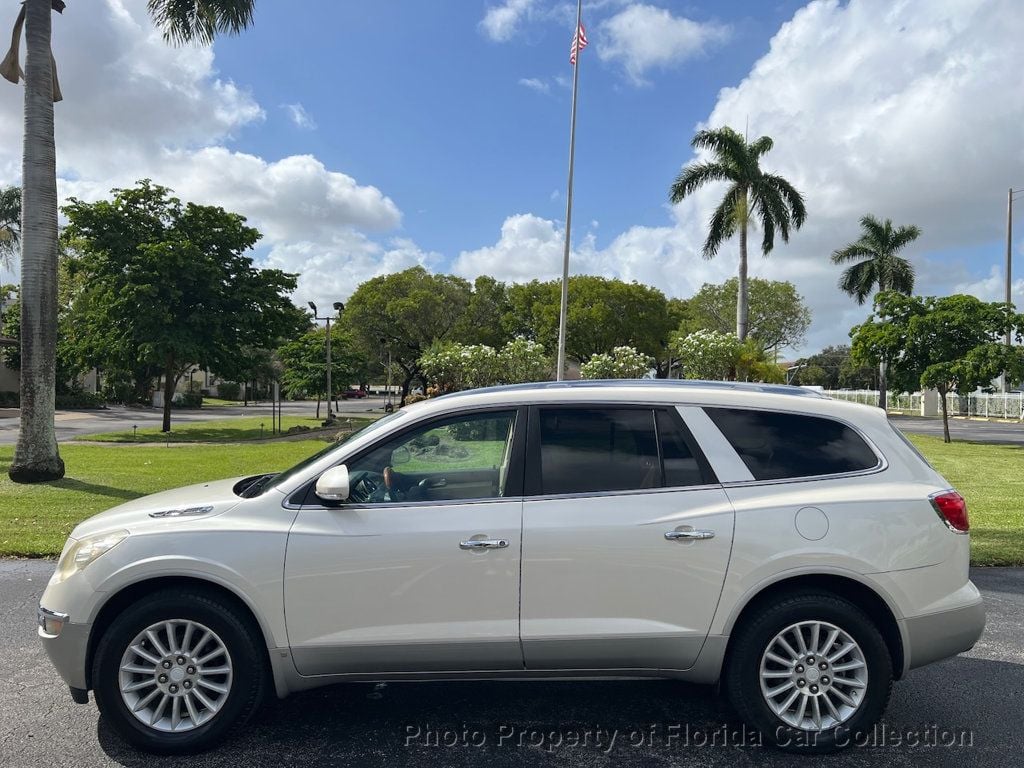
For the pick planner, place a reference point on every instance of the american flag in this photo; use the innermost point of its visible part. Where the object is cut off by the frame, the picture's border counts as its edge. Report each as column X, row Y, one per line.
column 579, row 42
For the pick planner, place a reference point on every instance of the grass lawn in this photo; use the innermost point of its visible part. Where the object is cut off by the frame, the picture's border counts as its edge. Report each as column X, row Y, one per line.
column 216, row 431
column 991, row 478
column 36, row 519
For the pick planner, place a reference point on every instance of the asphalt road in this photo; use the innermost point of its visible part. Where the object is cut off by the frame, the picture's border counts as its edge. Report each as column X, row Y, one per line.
column 964, row 429
column 974, row 701
column 70, row 424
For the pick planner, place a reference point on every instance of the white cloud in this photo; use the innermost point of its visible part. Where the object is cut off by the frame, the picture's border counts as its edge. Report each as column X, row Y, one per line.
column 331, row 270
column 299, row 116
column 643, row 37
column 501, row 22
column 535, row 84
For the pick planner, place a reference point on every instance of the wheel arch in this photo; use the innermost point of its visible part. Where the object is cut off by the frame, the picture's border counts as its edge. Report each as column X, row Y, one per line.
column 857, row 592
column 132, row 593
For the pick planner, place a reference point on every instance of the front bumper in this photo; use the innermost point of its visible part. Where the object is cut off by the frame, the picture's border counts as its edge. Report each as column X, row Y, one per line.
column 67, row 648
column 938, row 636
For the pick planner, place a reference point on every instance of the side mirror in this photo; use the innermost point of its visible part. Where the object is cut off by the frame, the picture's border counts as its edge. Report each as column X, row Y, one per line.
column 401, row 455
column 332, row 485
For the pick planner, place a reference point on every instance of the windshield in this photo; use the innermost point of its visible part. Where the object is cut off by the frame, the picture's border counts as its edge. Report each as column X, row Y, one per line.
column 273, row 481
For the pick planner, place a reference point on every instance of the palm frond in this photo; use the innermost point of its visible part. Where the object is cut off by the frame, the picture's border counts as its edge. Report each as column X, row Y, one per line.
column 761, row 146
column 795, row 201
column 852, row 252
column 903, row 236
column 723, row 221
column 724, row 142
column 694, row 176
column 200, row 21
column 858, row 280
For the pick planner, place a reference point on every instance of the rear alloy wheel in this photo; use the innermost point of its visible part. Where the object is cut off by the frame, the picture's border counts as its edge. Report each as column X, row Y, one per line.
column 809, row 672
column 177, row 671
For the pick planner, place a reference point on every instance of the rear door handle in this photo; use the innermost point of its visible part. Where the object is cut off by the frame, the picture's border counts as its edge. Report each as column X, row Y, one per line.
column 483, row 544
column 699, row 535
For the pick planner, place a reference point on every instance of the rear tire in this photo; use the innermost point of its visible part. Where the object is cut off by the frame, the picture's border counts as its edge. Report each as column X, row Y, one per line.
column 809, row 707
column 176, row 672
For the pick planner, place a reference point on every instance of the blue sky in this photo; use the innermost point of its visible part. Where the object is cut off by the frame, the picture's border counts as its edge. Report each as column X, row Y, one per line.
column 440, row 121
column 366, row 137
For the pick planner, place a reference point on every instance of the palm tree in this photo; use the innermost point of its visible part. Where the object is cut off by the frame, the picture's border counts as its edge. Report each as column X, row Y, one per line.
column 36, row 457
column 10, row 224
column 769, row 198
column 877, row 265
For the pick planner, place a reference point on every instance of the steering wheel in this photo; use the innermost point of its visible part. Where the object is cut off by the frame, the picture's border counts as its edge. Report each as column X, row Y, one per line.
column 365, row 487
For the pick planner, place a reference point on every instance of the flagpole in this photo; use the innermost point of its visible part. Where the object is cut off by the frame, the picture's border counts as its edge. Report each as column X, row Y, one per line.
column 560, row 374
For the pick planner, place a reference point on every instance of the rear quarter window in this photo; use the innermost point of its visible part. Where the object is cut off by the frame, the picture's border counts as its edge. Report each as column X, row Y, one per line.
column 775, row 445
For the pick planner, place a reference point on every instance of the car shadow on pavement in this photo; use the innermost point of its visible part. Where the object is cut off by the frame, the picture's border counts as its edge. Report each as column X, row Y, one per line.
column 617, row 723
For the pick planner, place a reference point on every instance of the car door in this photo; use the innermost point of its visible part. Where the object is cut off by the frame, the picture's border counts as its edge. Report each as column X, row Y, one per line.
column 421, row 573
column 626, row 540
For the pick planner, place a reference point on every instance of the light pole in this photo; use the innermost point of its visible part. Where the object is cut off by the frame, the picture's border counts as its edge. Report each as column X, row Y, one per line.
column 338, row 307
column 1010, row 195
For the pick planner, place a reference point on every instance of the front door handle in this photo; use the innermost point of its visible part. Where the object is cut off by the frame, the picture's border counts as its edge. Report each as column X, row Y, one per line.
column 703, row 534
column 483, row 544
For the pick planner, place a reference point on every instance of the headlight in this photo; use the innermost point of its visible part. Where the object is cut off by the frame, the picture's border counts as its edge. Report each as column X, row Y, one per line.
column 82, row 552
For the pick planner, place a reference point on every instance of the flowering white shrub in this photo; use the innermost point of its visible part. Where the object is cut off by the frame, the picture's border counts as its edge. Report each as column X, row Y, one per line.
column 522, row 360
column 707, row 354
column 621, row 363
column 454, row 367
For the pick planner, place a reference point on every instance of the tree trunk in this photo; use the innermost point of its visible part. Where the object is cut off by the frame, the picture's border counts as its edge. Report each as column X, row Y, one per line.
column 945, row 417
column 741, row 288
column 169, row 381
column 36, row 457
column 318, row 406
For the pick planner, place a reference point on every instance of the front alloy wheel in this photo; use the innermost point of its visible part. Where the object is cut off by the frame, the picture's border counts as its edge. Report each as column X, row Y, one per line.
column 175, row 675
column 178, row 670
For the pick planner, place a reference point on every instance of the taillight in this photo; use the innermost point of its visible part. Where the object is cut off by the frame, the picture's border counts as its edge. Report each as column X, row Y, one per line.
column 952, row 509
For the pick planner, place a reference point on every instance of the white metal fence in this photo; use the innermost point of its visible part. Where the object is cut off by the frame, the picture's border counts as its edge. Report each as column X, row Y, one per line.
column 996, row 405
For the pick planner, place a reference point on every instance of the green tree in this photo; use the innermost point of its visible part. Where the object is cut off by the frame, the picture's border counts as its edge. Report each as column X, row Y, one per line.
column 621, row 363
column 951, row 343
column 875, row 263
column 778, row 316
column 602, row 314
column 10, row 224
column 36, row 457
column 834, row 368
column 752, row 195
column 483, row 322
column 171, row 285
column 405, row 313
column 304, row 363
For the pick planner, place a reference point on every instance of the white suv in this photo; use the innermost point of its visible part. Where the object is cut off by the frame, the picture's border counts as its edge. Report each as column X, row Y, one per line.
column 795, row 548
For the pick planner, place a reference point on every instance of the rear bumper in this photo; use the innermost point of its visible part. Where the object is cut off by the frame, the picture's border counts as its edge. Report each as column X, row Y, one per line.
column 937, row 636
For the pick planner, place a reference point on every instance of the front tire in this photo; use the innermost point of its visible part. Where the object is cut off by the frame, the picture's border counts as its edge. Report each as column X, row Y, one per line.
column 176, row 672
column 810, row 672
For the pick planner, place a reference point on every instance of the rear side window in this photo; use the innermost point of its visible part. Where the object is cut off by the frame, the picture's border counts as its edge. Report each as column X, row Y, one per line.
column 587, row 450
column 777, row 446
column 678, row 461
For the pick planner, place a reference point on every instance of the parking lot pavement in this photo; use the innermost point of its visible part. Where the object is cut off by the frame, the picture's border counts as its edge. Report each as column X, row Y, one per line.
column 961, row 712
column 964, row 429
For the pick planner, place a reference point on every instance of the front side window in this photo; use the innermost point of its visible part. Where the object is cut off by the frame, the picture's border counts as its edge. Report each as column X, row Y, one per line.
column 456, row 458
column 587, row 450
column 775, row 445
